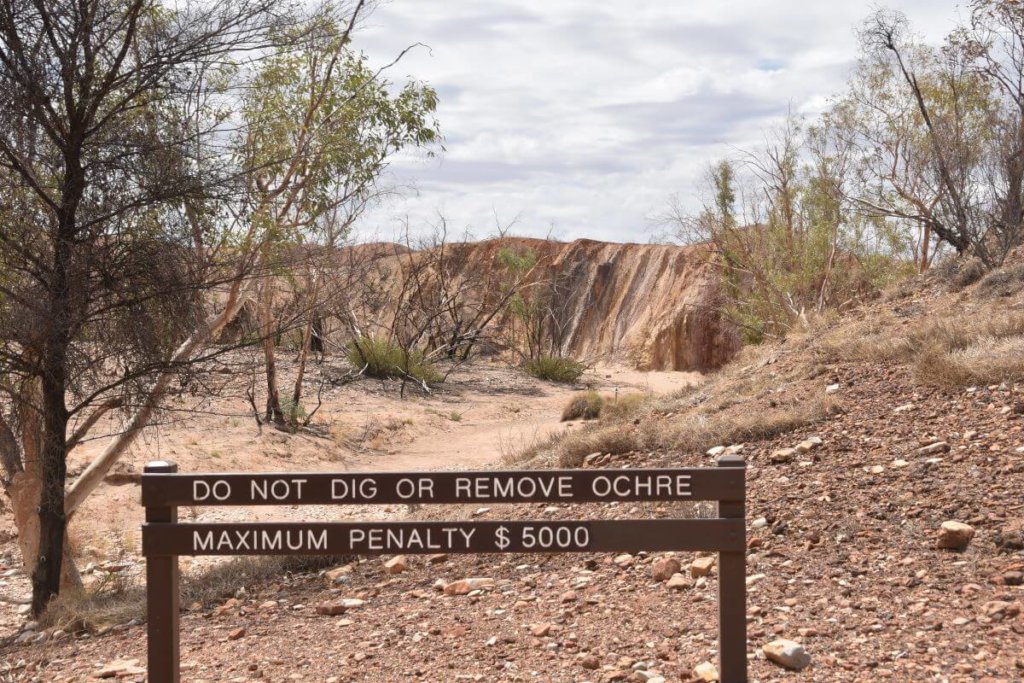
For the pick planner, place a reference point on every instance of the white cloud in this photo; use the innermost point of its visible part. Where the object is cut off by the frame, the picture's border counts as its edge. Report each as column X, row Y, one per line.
column 589, row 115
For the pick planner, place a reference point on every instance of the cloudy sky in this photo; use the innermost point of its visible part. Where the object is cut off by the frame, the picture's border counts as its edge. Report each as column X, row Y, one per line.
column 580, row 118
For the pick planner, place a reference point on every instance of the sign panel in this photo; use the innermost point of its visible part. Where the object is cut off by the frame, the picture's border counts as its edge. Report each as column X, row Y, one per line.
column 368, row 538
column 542, row 486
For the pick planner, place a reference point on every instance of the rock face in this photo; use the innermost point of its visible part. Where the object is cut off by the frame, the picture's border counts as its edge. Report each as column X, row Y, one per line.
column 655, row 307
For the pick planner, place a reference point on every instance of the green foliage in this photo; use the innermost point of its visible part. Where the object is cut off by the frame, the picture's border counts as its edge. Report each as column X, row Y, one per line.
column 516, row 261
column 555, row 369
column 294, row 413
column 322, row 125
column 386, row 360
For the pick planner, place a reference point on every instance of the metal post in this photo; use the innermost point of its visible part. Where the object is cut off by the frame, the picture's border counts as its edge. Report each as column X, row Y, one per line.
column 732, row 591
column 162, row 596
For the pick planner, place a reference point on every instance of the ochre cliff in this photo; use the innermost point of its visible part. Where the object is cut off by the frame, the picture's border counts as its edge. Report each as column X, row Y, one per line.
column 654, row 307
column 651, row 306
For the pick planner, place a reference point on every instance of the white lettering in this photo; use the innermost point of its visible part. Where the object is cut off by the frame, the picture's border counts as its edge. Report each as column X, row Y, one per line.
column 201, row 542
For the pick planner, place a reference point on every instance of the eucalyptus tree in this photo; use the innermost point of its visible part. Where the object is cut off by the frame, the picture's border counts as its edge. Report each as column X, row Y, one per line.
column 321, row 127
column 127, row 238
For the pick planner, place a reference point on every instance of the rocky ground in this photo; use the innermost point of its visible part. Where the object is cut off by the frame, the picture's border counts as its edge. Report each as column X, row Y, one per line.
column 851, row 556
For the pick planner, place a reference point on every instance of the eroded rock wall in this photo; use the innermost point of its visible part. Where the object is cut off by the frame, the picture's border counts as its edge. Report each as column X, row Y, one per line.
column 652, row 306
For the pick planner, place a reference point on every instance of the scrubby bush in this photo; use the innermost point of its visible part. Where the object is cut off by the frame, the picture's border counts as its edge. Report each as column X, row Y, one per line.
column 555, row 369
column 623, row 407
column 584, row 406
column 384, row 359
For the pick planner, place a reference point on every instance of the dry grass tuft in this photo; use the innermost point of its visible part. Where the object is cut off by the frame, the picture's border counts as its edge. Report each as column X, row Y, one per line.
column 699, row 432
column 1002, row 282
column 989, row 360
column 615, row 439
column 624, row 407
column 93, row 612
column 583, row 406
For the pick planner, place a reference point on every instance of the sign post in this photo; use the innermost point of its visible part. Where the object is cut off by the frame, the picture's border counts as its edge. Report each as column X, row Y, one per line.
column 164, row 539
column 162, row 595
column 732, row 589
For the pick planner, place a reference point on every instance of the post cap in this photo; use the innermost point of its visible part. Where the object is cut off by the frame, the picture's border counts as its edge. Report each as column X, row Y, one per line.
column 160, row 467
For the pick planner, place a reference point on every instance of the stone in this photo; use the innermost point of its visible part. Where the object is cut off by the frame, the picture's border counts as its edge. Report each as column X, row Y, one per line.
column 396, row 565
column 237, row 633
column 809, row 444
column 1001, row 609
column 783, row 455
column 623, row 561
column 540, row 630
column 590, row 662
column 787, row 653
column 716, row 451
column 832, row 389
column 437, row 558
column 120, row 668
column 934, row 449
column 702, row 566
column 662, row 569
column 706, row 671
column 466, row 586
column 955, row 535
column 331, row 609
column 678, row 582
column 570, row 596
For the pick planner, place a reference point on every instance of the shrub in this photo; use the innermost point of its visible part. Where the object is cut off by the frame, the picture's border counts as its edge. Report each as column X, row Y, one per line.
column 555, row 369
column 624, row 407
column 1004, row 282
column 386, row 360
column 616, row 440
column 585, row 406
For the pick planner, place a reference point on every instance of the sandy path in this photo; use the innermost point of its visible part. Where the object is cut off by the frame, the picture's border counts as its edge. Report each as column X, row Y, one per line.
column 469, row 423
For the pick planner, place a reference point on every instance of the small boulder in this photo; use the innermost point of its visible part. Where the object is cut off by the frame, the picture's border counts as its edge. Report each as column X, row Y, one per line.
column 331, row 609
column 955, row 535
column 706, row 671
column 702, row 566
column 662, row 569
column 466, row 586
column 396, row 565
column 120, row 668
column 677, row 583
column 934, row 448
column 783, row 455
column 787, row 653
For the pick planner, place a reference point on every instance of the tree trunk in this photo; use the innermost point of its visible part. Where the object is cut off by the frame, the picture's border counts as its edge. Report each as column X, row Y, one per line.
column 46, row 577
column 274, row 413
column 307, row 341
column 926, row 240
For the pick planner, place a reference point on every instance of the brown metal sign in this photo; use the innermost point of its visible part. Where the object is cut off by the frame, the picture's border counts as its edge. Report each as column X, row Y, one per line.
column 164, row 539
column 364, row 538
column 541, row 486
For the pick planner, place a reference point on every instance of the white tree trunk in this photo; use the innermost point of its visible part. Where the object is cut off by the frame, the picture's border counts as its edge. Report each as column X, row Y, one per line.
column 93, row 475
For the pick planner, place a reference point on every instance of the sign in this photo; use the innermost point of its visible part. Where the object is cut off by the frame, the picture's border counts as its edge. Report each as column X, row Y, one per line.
column 387, row 538
column 541, row 486
column 164, row 539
